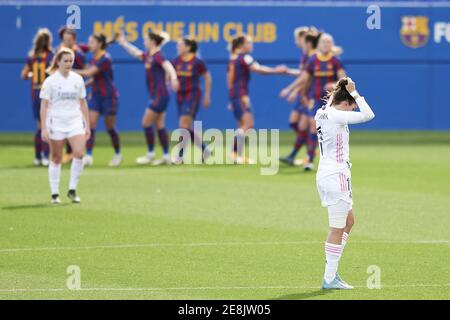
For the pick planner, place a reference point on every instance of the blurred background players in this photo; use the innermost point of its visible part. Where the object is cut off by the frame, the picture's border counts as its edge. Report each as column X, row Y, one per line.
column 240, row 65
column 190, row 69
column 39, row 59
column 306, row 39
column 104, row 97
column 157, row 70
column 321, row 73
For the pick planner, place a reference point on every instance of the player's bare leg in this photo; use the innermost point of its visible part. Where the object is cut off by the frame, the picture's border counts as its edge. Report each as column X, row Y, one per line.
column 247, row 122
column 148, row 121
column 93, row 120
column 302, row 122
column 163, row 139
column 110, row 124
column 312, row 144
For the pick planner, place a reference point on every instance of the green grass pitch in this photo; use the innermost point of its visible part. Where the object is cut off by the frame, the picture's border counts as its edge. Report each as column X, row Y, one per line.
column 226, row 232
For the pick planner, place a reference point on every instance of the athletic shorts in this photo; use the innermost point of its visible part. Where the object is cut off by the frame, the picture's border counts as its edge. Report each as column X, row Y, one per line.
column 159, row 104
column 61, row 131
column 335, row 187
column 298, row 107
column 335, row 193
column 314, row 106
column 105, row 106
column 240, row 106
column 188, row 107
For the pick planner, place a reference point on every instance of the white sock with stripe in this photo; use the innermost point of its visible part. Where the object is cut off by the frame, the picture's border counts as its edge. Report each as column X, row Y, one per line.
column 75, row 172
column 333, row 253
column 344, row 240
column 54, row 174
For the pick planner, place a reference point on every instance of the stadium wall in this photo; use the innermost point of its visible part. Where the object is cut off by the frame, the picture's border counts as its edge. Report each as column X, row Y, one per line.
column 406, row 82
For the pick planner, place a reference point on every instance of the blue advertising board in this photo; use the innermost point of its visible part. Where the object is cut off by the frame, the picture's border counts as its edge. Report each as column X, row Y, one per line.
column 402, row 68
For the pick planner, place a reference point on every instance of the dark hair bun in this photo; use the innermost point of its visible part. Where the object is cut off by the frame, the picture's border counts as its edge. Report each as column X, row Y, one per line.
column 342, row 83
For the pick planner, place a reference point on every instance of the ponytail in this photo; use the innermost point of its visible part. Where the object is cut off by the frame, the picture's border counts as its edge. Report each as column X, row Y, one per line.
column 339, row 94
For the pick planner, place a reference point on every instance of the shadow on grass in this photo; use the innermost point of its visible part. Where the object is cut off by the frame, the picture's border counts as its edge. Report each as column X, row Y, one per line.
column 301, row 296
column 34, row 206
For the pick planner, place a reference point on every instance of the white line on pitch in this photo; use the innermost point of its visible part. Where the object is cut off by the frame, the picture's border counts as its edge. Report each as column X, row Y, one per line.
column 208, row 288
column 210, row 244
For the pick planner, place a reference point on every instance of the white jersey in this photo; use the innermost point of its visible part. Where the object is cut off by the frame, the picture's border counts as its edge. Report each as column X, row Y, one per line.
column 63, row 95
column 333, row 135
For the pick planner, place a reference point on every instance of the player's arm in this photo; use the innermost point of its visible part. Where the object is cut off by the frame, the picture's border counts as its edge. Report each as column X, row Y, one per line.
column 25, row 73
column 89, row 82
column 131, row 49
column 84, row 109
column 85, row 112
column 44, row 95
column 43, row 114
column 293, row 72
column 89, row 72
column 296, row 86
column 172, row 74
column 257, row 68
column 208, row 82
column 352, row 117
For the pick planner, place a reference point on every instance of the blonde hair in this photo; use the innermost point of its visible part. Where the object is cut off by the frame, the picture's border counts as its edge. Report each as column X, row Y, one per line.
column 42, row 41
column 57, row 58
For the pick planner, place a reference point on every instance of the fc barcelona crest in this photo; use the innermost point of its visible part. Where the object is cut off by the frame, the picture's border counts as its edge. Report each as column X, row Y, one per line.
column 414, row 32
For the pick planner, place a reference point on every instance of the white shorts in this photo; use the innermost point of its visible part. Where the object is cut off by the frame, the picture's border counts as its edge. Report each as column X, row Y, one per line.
column 335, row 192
column 59, row 132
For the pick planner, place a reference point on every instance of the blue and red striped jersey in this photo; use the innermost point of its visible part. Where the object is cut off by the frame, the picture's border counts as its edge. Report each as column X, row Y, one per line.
column 303, row 62
column 156, row 75
column 80, row 58
column 239, row 75
column 189, row 72
column 323, row 69
column 104, row 79
column 37, row 65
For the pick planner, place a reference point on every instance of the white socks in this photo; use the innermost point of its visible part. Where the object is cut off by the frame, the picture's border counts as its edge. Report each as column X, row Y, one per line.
column 333, row 253
column 54, row 174
column 344, row 240
column 75, row 172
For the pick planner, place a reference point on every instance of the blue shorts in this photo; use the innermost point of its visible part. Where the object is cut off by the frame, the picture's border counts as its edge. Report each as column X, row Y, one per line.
column 240, row 106
column 188, row 107
column 106, row 106
column 316, row 105
column 298, row 107
column 36, row 105
column 158, row 104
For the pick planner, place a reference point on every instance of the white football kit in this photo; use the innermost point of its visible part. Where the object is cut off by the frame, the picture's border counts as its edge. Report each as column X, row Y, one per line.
column 64, row 117
column 333, row 175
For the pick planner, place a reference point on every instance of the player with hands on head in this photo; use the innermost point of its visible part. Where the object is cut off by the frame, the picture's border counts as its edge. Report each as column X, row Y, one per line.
column 333, row 176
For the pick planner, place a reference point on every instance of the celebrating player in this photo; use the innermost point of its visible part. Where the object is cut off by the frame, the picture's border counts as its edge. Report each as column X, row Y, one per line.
column 157, row 69
column 189, row 70
column 322, row 71
column 64, row 115
column 306, row 39
column 333, row 175
column 104, row 98
column 240, row 65
column 68, row 38
column 38, row 60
